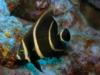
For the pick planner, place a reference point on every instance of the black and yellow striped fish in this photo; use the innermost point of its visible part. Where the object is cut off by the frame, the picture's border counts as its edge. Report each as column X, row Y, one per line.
column 44, row 40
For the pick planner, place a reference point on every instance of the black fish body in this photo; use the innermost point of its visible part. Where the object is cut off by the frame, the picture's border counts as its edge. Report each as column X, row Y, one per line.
column 43, row 40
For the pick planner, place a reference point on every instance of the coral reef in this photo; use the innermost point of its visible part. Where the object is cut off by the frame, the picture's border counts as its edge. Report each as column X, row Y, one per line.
column 83, row 55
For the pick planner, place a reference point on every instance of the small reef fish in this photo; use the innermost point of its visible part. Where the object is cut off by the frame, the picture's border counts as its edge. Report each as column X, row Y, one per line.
column 43, row 40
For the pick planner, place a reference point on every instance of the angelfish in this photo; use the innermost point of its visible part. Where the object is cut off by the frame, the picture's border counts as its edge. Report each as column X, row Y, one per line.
column 44, row 40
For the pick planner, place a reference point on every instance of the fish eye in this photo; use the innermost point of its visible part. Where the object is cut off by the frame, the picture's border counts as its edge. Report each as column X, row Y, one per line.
column 65, row 35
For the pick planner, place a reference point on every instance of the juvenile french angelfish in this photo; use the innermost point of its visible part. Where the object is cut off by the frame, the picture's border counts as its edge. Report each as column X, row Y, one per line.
column 44, row 40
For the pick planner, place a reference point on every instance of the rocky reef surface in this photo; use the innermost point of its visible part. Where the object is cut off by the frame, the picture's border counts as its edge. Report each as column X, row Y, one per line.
column 83, row 55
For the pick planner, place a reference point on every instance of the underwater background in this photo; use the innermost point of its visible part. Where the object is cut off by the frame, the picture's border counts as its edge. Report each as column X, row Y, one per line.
column 81, row 17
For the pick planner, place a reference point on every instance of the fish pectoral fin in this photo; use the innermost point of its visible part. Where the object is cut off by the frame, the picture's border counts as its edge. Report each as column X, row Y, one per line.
column 37, row 65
